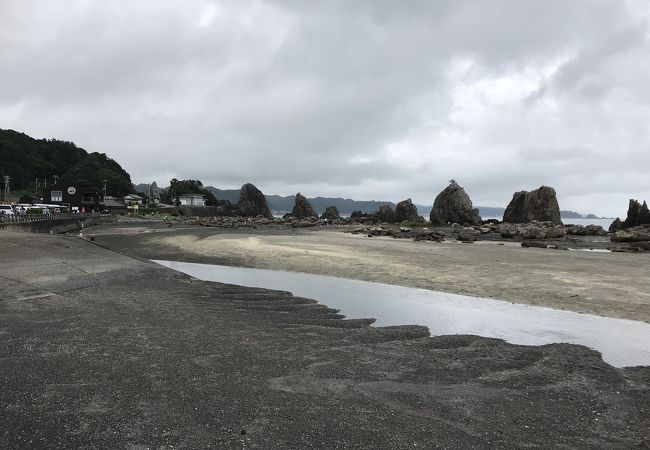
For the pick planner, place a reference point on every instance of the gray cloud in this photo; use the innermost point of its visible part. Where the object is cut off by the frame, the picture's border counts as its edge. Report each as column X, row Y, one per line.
column 368, row 99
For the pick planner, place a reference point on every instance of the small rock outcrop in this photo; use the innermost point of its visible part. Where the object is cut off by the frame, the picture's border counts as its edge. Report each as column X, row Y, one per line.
column 589, row 230
column 252, row 202
column 406, row 210
column 331, row 213
column 538, row 205
column 386, row 214
column 453, row 205
column 637, row 214
column 302, row 209
column 634, row 234
column 616, row 225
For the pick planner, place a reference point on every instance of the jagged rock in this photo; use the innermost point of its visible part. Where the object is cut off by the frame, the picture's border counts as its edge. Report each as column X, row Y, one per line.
column 331, row 213
column 637, row 214
column 538, row 205
column 453, row 205
column 406, row 210
column 252, row 202
column 302, row 208
column 616, row 225
column 386, row 214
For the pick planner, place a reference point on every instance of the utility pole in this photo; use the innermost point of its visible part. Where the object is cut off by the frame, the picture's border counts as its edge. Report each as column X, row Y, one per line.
column 6, row 178
column 56, row 178
column 37, row 187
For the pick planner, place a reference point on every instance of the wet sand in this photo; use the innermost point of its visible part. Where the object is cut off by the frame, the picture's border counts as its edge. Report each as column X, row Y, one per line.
column 607, row 284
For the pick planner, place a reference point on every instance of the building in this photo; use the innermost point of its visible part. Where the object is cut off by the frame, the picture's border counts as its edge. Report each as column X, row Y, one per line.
column 133, row 200
column 83, row 198
column 112, row 205
column 191, row 200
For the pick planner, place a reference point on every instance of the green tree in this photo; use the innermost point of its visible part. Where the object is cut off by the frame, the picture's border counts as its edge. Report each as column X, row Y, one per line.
column 96, row 168
column 178, row 187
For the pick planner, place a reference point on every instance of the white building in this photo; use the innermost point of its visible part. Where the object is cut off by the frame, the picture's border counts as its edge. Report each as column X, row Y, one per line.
column 191, row 200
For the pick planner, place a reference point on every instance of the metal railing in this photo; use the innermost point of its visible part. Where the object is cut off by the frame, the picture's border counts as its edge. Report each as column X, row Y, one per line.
column 27, row 218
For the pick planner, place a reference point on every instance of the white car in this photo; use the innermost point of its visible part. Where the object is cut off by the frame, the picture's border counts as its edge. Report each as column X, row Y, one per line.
column 6, row 210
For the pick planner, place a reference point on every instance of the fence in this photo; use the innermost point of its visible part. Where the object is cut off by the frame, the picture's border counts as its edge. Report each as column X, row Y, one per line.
column 30, row 218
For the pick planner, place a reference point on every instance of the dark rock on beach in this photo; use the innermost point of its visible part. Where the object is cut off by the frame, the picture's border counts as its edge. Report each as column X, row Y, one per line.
column 616, row 225
column 538, row 205
column 406, row 210
column 453, row 205
column 386, row 214
column 534, row 244
column 637, row 214
column 331, row 213
column 302, row 208
column 252, row 202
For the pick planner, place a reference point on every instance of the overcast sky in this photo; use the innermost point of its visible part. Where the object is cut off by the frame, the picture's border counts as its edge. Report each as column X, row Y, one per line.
column 361, row 99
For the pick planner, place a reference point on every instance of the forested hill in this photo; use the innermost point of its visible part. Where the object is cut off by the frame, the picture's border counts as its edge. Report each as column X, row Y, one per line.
column 25, row 159
column 280, row 203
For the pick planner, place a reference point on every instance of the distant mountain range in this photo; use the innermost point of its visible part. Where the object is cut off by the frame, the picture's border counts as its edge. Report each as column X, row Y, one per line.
column 282, row 204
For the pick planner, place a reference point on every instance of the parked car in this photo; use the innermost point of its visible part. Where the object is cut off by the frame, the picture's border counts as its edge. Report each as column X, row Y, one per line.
column 6, row 210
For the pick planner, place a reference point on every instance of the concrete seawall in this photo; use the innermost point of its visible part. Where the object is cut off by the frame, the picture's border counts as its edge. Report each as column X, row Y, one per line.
column 54, row 225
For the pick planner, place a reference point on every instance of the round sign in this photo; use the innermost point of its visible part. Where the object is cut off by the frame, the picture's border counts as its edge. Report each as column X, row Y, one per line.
column 72, row 190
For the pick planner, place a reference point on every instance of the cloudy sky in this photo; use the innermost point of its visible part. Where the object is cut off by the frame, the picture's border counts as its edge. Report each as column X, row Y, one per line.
column 361, row 99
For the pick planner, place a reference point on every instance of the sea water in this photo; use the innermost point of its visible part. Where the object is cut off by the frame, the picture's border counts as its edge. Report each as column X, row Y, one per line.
column 621, row 342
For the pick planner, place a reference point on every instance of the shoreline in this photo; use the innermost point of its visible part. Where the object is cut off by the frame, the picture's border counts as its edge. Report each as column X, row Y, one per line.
column 604, row 284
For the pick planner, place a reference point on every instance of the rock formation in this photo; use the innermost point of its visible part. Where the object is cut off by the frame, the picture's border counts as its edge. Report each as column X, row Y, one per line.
column 406, row 210
column 302, row 208
column 331, row 213
column 637, row 214
column 252, row 202
column 386, row 214
column 454, row 205
column 538, row 205
column 616, row 225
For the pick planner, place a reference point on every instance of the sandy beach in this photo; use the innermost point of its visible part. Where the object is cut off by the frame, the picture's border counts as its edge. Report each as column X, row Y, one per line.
column 607, row 284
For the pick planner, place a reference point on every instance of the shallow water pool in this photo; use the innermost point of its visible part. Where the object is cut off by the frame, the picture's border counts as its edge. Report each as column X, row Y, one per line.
column 621, row 342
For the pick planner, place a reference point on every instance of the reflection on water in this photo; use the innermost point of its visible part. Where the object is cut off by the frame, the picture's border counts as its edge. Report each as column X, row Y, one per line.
column 621, row 342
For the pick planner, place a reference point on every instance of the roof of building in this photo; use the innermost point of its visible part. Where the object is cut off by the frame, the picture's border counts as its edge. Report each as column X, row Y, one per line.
column 133, row 197
column 113, row 203
column 191, row 195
